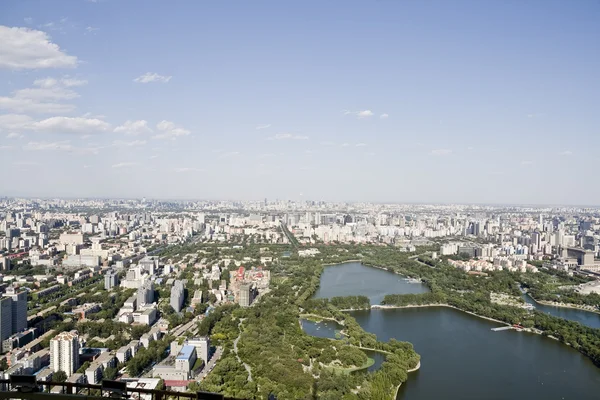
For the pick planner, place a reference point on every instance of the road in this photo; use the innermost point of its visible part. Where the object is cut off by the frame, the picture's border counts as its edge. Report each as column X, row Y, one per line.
column 211, row 364
column 235, row 350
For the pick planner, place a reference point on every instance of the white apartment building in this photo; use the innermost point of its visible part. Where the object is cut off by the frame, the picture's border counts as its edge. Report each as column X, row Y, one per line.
column 64, row 352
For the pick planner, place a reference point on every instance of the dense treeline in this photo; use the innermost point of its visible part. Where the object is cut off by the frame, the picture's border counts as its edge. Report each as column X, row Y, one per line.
column 145, row 357
column 351, row 302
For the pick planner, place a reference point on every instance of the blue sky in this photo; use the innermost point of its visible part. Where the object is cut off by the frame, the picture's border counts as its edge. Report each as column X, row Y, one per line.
column 386, row 101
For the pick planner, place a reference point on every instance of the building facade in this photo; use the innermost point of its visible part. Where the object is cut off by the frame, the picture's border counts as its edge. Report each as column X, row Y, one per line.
column 64, row 352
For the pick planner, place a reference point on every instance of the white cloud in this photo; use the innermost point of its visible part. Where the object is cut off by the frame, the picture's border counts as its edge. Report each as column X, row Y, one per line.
column 440, row 152
column 263, row 126
column 384, row 116
column 90, row 115
column 45, row 82
column 76, row 125
column 133, row 143
column 70, row 82
column 370, row 154
column 152, row 157
column 134, row 127
column 566, row 153
column 265, row 155
column 24, row 48
column 364, row 114
column 28, row 20
column 288, row 136
column 360, row 144
column 188, row 169
column 170, row 130
column 6, row 147
column 360, row 114
column 14, row 135
column 14, row 121
column 152, row 77
column 527, row 162
column 25, row 105
column 41, row 146
column 45, row 97
column 327, row 143
column 63, row 145
column 345, row 145
column 124, row 165
column 46, row 93
column 90, row 29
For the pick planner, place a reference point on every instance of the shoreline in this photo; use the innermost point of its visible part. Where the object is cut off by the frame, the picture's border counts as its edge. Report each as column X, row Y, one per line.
column 561, row 305
column 390, row 307
column 341, row 262
column 408, row 371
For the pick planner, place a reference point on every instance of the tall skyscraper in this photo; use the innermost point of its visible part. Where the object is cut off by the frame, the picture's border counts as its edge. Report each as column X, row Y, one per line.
column 177, row 296
column 64, row 352
column 19, row 309
column 245, row 298
column 110, row 280
column 6, row 327
column 145, row 293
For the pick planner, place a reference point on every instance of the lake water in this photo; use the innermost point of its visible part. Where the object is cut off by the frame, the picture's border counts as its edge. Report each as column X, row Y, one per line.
column 586, row 318
column 323, row 329
column 461, row 358
column 353, row 278
column 328, row 329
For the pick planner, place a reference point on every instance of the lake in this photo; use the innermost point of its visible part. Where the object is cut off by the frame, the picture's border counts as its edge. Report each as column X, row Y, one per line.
column 586, row 318
column 461, row 358
column 353, row 278
column 328, row 329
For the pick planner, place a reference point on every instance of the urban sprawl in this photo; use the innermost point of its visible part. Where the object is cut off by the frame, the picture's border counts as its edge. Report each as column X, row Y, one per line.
column 92, row 287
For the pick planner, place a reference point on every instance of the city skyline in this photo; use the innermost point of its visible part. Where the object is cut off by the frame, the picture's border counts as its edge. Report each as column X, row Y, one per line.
column 467, row 103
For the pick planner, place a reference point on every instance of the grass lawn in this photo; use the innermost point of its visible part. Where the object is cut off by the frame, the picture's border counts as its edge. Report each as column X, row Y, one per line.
column 343, row 370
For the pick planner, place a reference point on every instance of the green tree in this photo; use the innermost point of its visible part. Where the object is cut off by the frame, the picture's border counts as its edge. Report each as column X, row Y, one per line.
column 83, row 367
column 110, row 373
column 59, row 376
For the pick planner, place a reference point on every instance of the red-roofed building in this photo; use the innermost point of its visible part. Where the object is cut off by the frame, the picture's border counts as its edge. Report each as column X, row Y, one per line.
column 176, row 385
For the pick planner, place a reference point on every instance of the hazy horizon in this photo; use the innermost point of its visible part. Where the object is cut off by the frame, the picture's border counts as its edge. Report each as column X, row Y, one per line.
column 461, row 102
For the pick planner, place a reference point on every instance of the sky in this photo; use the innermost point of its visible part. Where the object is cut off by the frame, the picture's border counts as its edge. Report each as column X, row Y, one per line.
column 384, row 101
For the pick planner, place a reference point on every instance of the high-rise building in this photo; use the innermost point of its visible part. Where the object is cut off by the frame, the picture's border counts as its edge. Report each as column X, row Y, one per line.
column 19, row 309
column 4, row 263
column 110, row 280
column 6, row 327
column 177, row 295
column 245, row 295
column 64, row 352
column 145, row 293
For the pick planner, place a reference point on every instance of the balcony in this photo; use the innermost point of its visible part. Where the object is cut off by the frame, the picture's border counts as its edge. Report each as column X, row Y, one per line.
column 26, row 387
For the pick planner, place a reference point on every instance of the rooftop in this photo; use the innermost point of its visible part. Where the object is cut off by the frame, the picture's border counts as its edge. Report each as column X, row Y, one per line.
column 186, row 352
